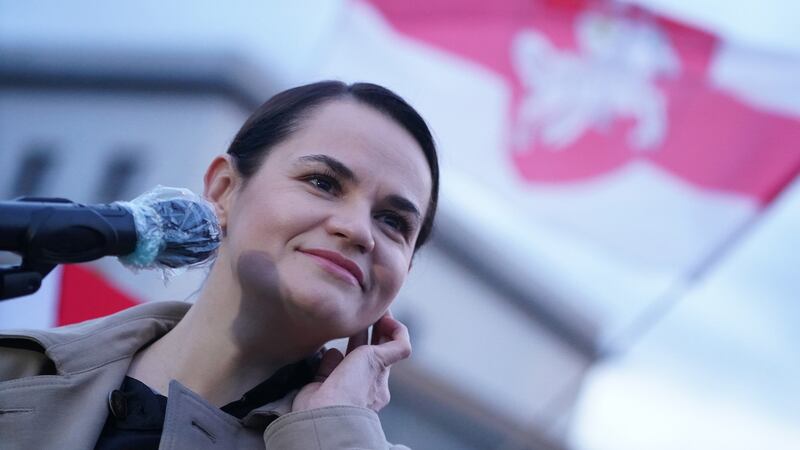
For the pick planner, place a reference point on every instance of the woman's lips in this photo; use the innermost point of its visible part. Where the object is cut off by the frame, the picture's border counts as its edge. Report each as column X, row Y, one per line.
column 338, row 265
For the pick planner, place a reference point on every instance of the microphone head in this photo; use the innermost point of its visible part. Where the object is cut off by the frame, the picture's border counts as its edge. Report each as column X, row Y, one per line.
column 175, row 229
column 190, row 232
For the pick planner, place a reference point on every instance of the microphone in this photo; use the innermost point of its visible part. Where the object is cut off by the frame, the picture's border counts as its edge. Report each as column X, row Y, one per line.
column 166, row 228
column 57, row 230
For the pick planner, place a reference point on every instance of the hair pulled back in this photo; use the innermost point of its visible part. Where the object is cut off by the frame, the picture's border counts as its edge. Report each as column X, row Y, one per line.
column 281, row 115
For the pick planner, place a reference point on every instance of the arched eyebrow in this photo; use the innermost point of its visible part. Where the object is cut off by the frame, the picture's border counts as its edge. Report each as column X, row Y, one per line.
column 334, row 164
column 403, row 204
column 340, row 169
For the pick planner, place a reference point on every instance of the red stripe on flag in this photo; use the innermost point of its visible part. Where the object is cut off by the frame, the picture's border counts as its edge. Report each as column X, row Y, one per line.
column 87, row 295
column 711, row 138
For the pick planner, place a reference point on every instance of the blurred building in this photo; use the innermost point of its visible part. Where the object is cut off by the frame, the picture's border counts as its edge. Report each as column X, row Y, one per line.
column 598, row 162
column 492, row 367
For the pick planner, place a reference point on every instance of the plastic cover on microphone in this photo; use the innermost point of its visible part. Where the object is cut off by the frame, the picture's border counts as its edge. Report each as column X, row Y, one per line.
column 176, row 229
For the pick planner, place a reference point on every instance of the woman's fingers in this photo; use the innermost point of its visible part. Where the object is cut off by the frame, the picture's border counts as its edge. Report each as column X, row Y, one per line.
column 361, row 377
column 390, row 343
column 380, row 333
column 330, row 360
column 377, row 331
column 357, row 340
column 394, row 343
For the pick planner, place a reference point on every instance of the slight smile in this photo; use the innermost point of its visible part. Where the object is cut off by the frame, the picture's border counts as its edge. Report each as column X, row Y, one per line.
column 338, row 265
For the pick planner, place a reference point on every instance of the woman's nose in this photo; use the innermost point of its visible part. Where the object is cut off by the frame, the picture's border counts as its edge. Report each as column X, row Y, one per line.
column 353, row 225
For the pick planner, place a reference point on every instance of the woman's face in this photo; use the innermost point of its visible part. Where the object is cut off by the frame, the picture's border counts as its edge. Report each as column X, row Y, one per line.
column 331, row 218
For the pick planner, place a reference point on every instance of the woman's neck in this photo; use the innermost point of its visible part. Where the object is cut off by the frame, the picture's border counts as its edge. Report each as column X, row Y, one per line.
column 226, row 344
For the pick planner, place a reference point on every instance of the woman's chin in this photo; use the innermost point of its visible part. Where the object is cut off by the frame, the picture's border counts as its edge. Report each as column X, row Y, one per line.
column 324, row 309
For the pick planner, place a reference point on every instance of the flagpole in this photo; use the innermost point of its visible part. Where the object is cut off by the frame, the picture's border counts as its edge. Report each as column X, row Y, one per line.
column 656, row 310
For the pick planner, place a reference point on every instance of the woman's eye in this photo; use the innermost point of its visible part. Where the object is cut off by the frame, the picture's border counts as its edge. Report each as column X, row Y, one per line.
column 396, row 222
column 324, row 183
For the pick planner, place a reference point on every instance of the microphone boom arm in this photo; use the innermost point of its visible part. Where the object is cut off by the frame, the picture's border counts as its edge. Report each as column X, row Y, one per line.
column 50, row 231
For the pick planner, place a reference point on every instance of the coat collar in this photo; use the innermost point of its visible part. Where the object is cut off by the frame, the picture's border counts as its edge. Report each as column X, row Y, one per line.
column 88, row 345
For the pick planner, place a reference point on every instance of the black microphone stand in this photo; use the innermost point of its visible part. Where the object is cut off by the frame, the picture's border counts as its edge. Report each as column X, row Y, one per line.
column 51, row 231
column 24, row 279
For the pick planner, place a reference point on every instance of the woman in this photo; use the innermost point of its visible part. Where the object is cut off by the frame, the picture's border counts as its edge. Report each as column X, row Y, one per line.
column 323, row 197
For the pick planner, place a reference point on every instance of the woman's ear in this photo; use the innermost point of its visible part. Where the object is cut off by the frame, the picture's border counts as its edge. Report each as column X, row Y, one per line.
column 221, row 181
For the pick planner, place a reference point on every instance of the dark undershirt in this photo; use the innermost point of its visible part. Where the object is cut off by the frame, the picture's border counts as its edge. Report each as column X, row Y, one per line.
column 136, row 412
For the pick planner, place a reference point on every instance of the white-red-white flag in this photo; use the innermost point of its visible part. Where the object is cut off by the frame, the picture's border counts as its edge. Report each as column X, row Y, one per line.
column 648, row 144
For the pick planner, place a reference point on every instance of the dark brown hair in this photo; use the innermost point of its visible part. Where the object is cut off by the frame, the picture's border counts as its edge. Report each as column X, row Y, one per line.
column 282, row 115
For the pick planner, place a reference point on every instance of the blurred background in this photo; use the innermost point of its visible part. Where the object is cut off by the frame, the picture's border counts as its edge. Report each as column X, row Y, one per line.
column 616, row 264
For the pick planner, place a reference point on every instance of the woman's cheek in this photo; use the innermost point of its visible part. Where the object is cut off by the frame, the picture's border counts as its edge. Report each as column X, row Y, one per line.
column 392, row 276
column 257, row 272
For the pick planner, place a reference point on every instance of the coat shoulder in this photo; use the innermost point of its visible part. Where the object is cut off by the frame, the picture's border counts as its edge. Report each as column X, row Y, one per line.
column 87, row 344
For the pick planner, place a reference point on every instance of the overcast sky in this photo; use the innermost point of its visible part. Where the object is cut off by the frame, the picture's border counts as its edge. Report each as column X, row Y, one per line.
column 721, row 369
column 771, row 24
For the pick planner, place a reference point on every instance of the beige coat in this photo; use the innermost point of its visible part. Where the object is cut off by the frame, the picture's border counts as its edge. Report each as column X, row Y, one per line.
column 54, row 388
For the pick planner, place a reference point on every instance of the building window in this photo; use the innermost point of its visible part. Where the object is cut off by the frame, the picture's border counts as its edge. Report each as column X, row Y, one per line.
column 121, row 169
column 35, row 167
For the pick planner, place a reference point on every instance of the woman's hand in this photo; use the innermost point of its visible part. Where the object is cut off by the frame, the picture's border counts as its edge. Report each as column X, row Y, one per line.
column 362, row 377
